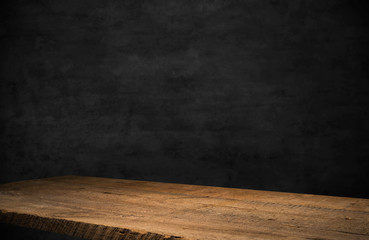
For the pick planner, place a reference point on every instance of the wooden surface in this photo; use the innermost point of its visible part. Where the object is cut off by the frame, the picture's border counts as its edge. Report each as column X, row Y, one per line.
column 102, row 208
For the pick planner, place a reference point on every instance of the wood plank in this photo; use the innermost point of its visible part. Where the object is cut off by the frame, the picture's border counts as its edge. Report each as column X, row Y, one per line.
column 102, row 208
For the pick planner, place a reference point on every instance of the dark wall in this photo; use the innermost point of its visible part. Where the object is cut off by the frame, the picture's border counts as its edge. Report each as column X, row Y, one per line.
column 253, row 94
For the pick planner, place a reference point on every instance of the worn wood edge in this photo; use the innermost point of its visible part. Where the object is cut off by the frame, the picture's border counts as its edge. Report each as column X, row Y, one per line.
column 79, row 229
column 304, row 199
column 196, row 186
column 199, row 186
column 310, row 201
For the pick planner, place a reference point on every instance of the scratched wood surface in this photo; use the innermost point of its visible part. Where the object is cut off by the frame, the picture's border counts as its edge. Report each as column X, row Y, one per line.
column 102, row 208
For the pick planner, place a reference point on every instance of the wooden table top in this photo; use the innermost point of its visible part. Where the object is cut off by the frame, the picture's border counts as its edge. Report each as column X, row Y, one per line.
column 103, row 208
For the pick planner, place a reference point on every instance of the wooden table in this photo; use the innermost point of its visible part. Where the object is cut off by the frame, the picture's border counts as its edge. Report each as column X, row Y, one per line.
column 103, row 208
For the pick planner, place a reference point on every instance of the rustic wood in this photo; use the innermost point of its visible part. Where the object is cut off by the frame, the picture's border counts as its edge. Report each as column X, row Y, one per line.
column 102, row 208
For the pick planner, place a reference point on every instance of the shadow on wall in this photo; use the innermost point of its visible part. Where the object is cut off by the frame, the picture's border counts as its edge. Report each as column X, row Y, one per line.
column 254, row 94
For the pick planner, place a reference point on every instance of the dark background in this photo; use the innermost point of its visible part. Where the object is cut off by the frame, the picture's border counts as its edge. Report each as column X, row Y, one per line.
column 260, row 94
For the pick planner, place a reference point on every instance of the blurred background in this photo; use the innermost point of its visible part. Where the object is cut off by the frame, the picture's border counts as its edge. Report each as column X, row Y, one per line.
column 258, row 94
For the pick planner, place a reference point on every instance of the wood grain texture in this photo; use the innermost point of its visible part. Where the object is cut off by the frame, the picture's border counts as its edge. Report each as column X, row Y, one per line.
column 102, row 208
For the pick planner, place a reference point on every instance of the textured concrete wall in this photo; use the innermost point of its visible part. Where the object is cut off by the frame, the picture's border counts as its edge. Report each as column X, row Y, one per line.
column 263, row 94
